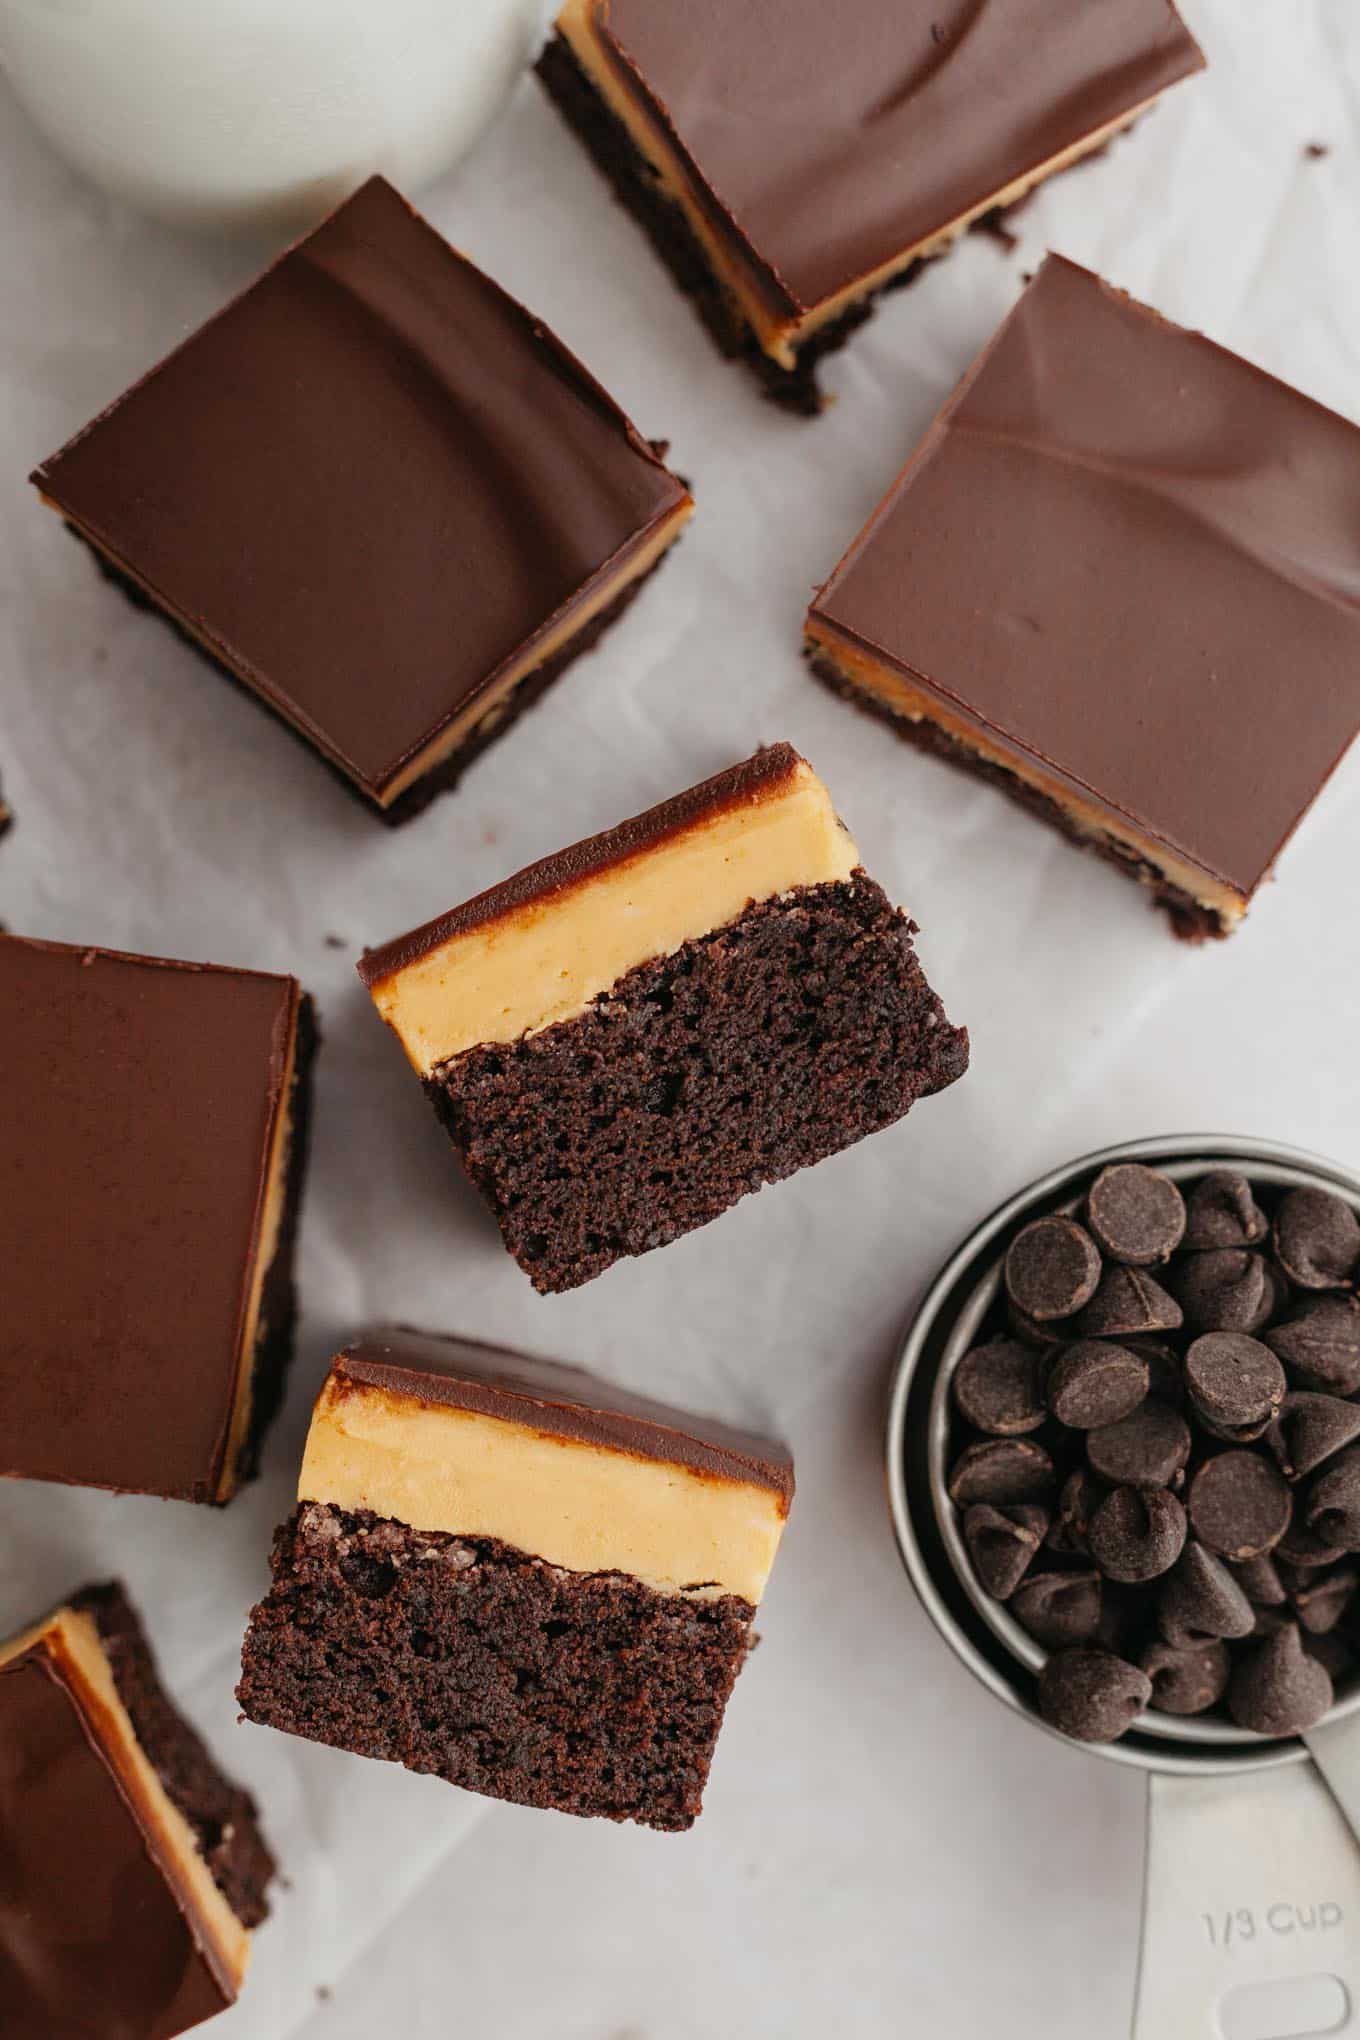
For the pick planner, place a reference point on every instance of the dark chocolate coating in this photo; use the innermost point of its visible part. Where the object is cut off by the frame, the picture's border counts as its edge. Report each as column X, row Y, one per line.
column 826, row 143
column 369, row 482
column 564, row 1401
column 744, row 784
column 1103, row 555
column 94, row 1935
column 140, row 1100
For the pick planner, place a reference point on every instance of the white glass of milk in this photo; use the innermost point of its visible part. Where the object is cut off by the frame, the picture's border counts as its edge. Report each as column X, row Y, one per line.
column 245, row 112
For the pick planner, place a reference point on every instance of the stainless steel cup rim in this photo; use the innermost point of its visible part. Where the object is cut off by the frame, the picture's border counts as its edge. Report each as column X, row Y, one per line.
column 980, row 1632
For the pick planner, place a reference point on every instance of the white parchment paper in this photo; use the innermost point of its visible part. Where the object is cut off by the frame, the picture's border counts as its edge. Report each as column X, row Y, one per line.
column 885, row 1851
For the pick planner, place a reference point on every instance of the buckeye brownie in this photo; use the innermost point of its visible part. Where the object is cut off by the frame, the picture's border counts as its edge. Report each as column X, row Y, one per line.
column 380, row 494
column 1118, row 579
column 626, row 1038
column 132, row 1869
column 512, row 1576
column 790, row 164
column 154, row 1150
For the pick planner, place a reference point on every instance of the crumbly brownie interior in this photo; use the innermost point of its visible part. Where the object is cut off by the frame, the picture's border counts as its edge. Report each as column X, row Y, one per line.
column 1190, row 919
column 637, row 187
column 473, row 1662
column 443, row 777
column 223, row 1816
column 278, row 1298
column 750, row 1053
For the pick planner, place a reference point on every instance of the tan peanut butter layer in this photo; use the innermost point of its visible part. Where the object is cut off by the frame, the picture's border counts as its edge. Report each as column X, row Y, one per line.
column 68, row 1641
column 964, row 147
column 538, row 949
column 907, row 697
column 444, row 1436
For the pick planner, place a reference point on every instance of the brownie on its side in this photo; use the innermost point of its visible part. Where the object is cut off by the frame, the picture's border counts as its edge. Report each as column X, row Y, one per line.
column 1090, row 577
column 628, row 1037
column 155, row 1147
column 132, row 1869
column 506, row 1574
column 378, row 493
column 789, row 168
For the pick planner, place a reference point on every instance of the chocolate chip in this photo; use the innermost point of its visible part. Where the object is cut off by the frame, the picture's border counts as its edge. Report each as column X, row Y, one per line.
column 1001, row 1470
column 1052, row 1268
column 1317, row 1239
column 1024, row 1327
column 1259, row 1580
column 1201, row 1600
column 1166, row 1380
column 1001, row 1543
column 1236, row 1384
column 1148, row 1449
column 1310, row 1429
column 1220, row 1211
column 1278, row 1689
column 998, row 1388
column 1303, row 1551
column 1322, row 1602
column 1333, row 1653
column 1332, row 1508
column 1094, row 1382
column 1224, row 1290
column 1091, row 1695
column 1321, row 1342
column 1136, row 1214
column 1128, row 1304
column 1188, row 1678
column 1240, row 1505
column 1078, row 1499
column 1137, row 1534
column 1058, row 1608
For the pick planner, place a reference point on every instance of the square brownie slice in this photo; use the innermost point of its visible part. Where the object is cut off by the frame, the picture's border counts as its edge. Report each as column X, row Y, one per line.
column 791, row 164
column 379, row 493
column 628, row 1037
column 1118, row 578
column 152, row 1162
column 132, row 1870
column 512, row 1576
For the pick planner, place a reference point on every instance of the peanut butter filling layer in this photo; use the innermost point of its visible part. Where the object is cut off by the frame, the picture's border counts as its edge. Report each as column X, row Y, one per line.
column 71, row 1640
column 781, row 336
column 490, row 702
column 546, row 959
column 580, row 1506
column 907, row 698
column 266, row 1249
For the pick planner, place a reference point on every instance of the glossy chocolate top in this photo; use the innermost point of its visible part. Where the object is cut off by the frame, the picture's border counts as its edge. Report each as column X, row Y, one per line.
column 752, row 780
column 829, row 138
column 1131, row 556
column 139, row 1103
column 93, row 1938
column 368, row 483
column 547, row 1395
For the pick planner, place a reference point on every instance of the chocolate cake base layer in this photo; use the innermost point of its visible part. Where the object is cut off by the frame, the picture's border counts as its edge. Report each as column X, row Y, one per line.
column 1189, row 918
column 637, row 187
column 444, row 777
column 748, row 1054
column 223, row 1816
column 278, row 1297
column 465, row 1659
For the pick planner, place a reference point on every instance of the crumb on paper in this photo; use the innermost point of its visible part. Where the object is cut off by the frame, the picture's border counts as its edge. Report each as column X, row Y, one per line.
column 336, row 942
column 1315, row 151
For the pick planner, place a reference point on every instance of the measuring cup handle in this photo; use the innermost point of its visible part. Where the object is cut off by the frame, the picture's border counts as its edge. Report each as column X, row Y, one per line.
column 1251, row 1909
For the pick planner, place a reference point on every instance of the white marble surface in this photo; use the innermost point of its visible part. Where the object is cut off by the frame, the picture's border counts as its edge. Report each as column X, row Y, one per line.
column 885, row 1850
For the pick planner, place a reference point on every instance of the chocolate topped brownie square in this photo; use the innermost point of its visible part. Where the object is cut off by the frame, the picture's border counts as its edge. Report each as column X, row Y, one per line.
column 629, row 1036
column 132, row 1871
column 790, row 160
column 506, row 1573
column 378, row 492
column 1119, row 577
column 154, row 1141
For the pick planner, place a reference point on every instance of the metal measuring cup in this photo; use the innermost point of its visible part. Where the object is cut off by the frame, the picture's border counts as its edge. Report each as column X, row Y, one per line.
column 1251, row 1902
